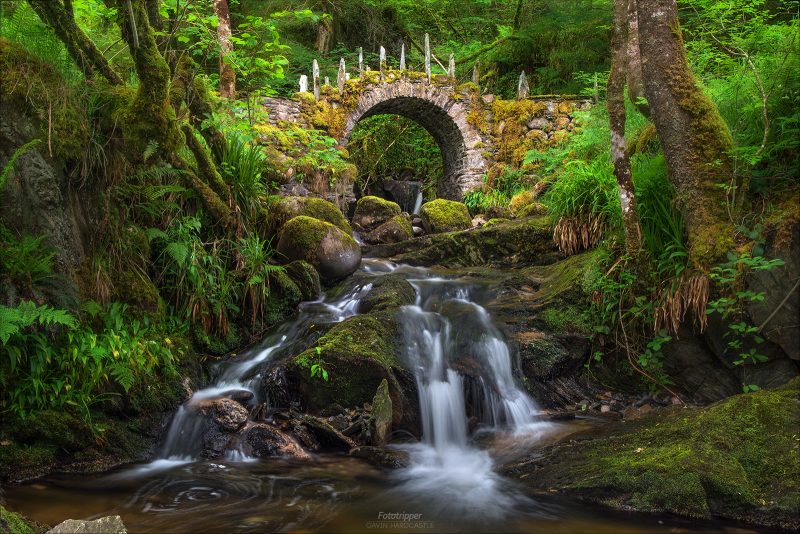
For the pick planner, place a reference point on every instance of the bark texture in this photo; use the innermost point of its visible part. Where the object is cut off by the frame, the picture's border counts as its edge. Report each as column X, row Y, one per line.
column 616, row 117
column 694, row 136
column 227, row 77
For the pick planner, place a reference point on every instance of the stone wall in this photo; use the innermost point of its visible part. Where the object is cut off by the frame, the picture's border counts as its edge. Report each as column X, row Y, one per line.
column 476, row 133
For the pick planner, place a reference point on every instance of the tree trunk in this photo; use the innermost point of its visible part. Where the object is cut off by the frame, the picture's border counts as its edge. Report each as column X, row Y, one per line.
column 616, row 117
column 324, row 34
column 633, row 71
column 517, row 16
column 227, row 77
column 694, row 136
column 82, row 49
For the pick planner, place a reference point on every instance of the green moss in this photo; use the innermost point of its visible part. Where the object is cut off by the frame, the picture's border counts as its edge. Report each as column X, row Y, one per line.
column 737, row 458
column 18, row 460
column 284, row 296
column 534, row 209
column 306, row 232
column 14, row 523
column 442, row 215
column 211, row 344
column 306, row 277
column 520, row 200
column 388, row 292
column 287, row 208
column 568, row 319
column 357, row 353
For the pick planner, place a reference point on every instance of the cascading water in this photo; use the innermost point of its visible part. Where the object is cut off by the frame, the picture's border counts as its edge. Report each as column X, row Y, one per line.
column 445, row 330
column 417, row 203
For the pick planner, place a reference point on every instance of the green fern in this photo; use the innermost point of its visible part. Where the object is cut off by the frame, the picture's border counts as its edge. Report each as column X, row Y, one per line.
column 27, row 313
column 18, row 153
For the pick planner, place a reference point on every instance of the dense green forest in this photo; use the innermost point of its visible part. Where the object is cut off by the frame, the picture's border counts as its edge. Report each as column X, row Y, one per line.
column 180, row 178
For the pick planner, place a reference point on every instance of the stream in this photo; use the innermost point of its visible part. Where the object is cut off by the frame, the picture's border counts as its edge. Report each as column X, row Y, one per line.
column 450, row 484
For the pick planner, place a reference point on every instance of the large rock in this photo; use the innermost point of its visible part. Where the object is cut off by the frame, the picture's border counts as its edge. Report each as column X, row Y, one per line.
column 385, row 457
column 105, row 525
column 736, row 459
column 390, row 291
column 371, row 212
column 332, row 252
column 287, row 208
column 442, row 215
column 358, row 354
column 380, row 420
column 306, row 278
column 394, row 230
column 404, row 192
column 501, row 243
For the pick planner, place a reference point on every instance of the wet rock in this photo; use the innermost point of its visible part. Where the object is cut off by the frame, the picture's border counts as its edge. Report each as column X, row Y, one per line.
column 372, row 212
column 306, row 278
column 227, row 414
column 416, row 221
column 387, row 458
column 242, row 396
column 442, row 215
column 394, row 230
column 418, row 231
column 339, row 422
column 380, row 421
column 497, row 212
column 387, row 292
column 105, row 525
column 263, row 440
column 478, row 221
column 328, row 437
column 332, row 252
column 403, row 192
column 508, row 243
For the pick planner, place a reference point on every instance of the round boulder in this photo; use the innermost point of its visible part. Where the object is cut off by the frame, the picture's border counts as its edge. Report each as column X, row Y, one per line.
column 442, row 215
column 371, row 212
column 331, row 251
column 287, row 208
column 394, row 230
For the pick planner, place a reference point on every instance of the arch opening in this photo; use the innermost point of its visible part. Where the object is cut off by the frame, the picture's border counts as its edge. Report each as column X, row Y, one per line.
column 443, row 117
column 397, row 159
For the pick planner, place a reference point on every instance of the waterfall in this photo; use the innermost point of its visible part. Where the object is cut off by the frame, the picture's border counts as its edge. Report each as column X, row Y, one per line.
column 417, row 203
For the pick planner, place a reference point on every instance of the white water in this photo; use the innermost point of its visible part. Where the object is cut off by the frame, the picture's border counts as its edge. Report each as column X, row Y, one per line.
column 445, row 327
column 448, row 474
column 417, row 203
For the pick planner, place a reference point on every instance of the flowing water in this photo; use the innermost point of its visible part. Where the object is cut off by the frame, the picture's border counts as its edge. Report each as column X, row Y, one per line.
column 465, row 378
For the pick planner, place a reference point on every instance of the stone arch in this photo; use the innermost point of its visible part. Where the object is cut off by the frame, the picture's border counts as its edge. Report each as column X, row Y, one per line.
column 444, row 117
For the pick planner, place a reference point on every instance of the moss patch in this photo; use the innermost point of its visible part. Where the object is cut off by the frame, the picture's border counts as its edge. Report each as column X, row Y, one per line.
column 442, row 215
column 388, row 292
column 372, row 211
column 14, row 523
column 737, row 458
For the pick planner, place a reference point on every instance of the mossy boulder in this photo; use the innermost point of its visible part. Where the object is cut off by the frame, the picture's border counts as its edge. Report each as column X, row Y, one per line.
column 371, row 212
column 395, row 230
column 736, row 458
column 390, row 291
column 287, row 208
column 332, row 252
column 358, row 354
column 442, row 215
column 510, row 243
column 306, row 278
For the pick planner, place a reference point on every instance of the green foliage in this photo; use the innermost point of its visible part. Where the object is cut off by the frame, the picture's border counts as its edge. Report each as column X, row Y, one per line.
column 498, row 193
column 241, row 165
column 742, row 338
column 391, row 146
column 51, row 361
column 9, row 166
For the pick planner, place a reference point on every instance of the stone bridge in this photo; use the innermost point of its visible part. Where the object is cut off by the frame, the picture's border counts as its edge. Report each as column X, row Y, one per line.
column 474, row 131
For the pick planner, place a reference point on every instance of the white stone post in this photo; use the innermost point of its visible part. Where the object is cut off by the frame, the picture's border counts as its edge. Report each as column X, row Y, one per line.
column 382, row 63
column 360, row 61
column 451, row 67
column 303, row 83
column 402, row 56
column 341, row 77
column 315, row 78
column 428, row 57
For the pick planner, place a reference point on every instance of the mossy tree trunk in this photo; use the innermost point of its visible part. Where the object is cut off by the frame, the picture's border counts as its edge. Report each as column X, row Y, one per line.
column 59, row 16
column 152, row 115
column 695, row 138
column 633, row 70
column 616, row 117
column 227, row 77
